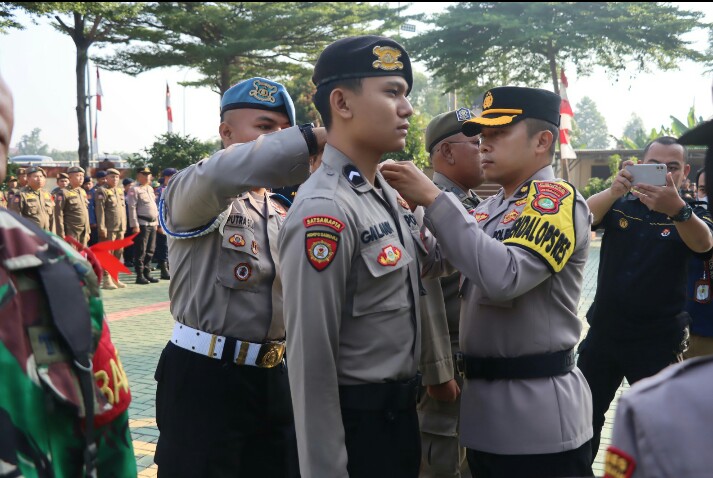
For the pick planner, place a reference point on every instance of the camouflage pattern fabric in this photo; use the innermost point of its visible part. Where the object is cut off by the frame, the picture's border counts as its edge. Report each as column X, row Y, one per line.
column 41, row 406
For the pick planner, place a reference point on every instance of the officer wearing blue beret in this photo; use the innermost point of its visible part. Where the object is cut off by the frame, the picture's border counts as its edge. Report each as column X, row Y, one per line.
column 354, row 335
column 223, row 402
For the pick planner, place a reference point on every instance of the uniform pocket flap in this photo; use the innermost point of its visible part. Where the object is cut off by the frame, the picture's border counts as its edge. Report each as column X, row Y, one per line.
column 384, row 257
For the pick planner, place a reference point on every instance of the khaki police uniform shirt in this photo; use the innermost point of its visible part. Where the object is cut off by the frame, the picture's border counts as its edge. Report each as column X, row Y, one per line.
column 352, row 318
column 71, row 211
column 520, row 302
column 141, row 201
column 224, row 282
column 662, row 427
column 110, row 209
column 3, row 199
column 36, row 206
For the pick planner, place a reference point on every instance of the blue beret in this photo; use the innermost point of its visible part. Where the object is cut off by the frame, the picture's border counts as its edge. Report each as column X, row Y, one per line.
column 127, row 181
column 362, row 57
column 101, row 174
column 261, row 94
column 169, row 172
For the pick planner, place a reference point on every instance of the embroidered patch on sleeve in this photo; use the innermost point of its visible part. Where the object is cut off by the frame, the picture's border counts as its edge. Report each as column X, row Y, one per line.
column 321, row 248
column 618, row 464
column 327, row 221
column 546, row 225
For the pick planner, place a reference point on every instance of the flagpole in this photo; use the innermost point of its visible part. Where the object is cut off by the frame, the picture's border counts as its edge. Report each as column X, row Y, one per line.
column 91, row 127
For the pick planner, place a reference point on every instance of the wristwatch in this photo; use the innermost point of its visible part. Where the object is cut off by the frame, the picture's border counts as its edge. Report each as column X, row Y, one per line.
column 310, row 138
column 684, row 214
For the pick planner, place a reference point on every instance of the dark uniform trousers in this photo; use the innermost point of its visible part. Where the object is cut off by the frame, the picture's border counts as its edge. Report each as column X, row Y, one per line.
column 144, row 246
column 381, row 430
column 236, row 419
column 161, row 254
column 605, row 362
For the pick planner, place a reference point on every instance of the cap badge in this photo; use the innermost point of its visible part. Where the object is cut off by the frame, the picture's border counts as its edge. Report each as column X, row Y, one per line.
column 388, row 58
column 263, row 91
column 488, row 100
column 463, row 114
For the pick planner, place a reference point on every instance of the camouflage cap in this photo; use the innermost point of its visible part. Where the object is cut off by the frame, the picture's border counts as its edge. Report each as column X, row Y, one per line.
column 112, row 171
column 75, row 169
column 63, row 176
column 35, row 169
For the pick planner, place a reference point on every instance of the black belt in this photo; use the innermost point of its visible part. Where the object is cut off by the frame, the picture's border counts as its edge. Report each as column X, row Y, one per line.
column 527, row 366
column 380, row 396
column 147, row 219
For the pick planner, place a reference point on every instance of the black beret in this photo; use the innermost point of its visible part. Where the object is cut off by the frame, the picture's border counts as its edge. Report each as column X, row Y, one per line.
column 127, row 181
column 507, row 105
column 361, row 57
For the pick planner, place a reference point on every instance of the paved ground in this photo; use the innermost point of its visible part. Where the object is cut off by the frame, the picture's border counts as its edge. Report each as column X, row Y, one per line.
column 141, row 324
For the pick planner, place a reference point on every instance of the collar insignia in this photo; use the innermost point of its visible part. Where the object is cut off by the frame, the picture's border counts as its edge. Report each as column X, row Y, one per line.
column 353, row 175
column 263, row 91
column 388, row 58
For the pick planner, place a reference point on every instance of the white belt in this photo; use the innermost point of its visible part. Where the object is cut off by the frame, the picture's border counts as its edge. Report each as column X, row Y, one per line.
column 265, row 355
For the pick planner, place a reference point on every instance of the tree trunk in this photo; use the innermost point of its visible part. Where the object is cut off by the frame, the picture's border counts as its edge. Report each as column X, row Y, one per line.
column 564, row 163
column 81, row 72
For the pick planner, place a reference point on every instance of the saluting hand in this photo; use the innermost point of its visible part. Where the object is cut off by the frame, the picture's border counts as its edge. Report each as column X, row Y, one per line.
column 663, row 199
column 444, row 392
column 410, row 182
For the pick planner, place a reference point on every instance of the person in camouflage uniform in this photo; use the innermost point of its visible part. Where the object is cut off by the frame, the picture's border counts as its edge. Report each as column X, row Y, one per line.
column 42, row 409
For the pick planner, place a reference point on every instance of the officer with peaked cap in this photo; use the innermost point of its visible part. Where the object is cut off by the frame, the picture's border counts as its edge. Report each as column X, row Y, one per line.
column 525, row 409
column 143, row 220
column 33, row 202
column 111, row 218
column 455, row 159
column 682, row 434
column 71, row 208
column 223, row 402
column 353, row 335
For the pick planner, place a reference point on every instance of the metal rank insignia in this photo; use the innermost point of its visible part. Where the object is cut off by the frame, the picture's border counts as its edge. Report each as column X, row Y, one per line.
column 263, row 91
column 463, row 114
column 388, row 58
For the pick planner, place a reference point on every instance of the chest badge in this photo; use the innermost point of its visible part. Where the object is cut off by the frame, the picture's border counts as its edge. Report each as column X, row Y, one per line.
column 237, row 240
column 623, row 223
column 243, row 271
column 390, row 256
column 481, row 216
column 402, row 202
column 321, row 248
column 254, row 247
column 511, row 216
column 666, row 232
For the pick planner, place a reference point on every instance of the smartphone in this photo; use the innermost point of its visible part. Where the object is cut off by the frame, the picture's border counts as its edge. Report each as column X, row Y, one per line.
column 653, row 174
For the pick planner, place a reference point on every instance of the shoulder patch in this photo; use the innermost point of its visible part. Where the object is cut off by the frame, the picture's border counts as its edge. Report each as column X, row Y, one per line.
column 618, row 464
column 321, row 248
column 546, row 225
column 328, row 221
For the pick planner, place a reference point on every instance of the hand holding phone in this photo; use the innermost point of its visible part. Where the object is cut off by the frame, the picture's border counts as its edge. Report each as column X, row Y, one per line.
column 653, row 174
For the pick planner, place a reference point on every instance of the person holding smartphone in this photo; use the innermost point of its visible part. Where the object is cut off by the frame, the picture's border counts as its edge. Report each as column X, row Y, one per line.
column 638, row 325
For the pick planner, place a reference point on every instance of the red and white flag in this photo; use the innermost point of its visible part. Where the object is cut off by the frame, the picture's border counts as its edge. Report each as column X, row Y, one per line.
column 99, row 92
column 169, row 113
column 566, row 115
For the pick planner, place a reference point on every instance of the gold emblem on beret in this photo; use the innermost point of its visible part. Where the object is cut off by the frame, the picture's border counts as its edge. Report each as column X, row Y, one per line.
column 488, row 100
column 388, row 58
column 263, row 91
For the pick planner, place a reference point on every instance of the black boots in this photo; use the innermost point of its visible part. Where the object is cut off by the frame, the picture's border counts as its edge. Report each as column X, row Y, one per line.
column 140, row 279
column 165, row 275
column 147, row 276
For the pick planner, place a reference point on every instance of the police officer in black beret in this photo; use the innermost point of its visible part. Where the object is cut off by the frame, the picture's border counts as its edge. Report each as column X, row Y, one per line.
column 351, row 304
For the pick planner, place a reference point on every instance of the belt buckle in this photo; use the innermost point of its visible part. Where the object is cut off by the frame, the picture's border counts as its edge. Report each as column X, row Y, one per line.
column 270, row 354
column 460, row 364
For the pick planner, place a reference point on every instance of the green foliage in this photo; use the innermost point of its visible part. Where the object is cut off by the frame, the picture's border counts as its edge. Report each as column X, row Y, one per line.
column 230, row 41
column 32, row 144
column 596, row 185
column 415, row 149
column 301, row 89
column 173, row 151
column 635, row 137
column 474, row 45
column 590, row 127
